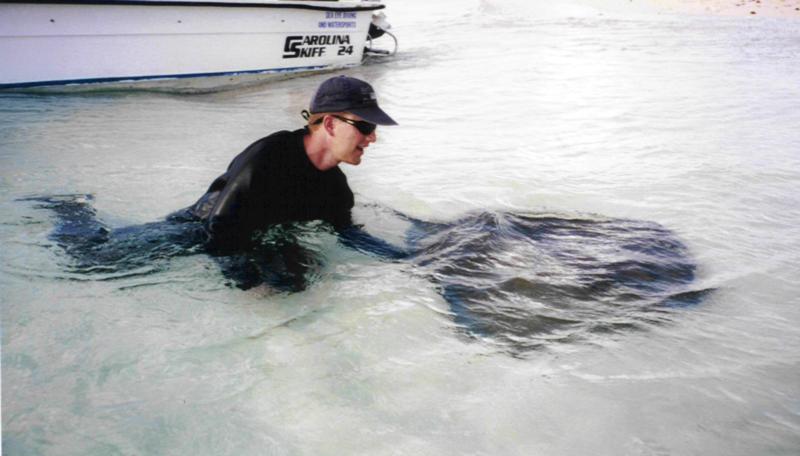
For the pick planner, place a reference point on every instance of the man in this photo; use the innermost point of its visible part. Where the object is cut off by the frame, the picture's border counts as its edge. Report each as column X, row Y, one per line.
column 294, row 176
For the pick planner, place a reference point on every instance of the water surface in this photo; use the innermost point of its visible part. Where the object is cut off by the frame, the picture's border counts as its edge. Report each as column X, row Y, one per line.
column 680, row 123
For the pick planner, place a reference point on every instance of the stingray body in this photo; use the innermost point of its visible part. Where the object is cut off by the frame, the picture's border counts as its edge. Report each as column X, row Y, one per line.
column 525, row 280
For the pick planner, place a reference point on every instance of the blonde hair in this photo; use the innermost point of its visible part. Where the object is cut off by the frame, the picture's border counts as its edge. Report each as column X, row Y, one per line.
column 315, row 120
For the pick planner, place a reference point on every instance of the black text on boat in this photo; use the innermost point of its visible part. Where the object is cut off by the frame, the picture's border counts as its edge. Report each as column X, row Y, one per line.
column 312, row 45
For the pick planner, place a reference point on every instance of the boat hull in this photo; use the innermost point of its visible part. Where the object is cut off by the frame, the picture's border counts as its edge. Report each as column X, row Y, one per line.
column 174, row 45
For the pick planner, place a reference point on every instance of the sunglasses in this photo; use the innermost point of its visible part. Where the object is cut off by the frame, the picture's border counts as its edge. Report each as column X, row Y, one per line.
column 363, row 127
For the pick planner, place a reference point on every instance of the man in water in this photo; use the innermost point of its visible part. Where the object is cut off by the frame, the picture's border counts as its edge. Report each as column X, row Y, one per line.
column 293, row 176
column 555, row 276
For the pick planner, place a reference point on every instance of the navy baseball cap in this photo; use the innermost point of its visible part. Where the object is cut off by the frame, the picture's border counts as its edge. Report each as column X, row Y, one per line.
column 346, row 94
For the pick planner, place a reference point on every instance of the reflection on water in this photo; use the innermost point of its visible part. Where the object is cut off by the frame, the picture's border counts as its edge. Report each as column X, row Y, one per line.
column 517, row 280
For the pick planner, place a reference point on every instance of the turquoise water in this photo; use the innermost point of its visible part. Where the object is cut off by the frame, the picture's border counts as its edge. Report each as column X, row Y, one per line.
column 688, row 122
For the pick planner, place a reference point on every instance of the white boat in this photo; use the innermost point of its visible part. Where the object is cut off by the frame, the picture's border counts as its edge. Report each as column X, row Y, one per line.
column 178, row 45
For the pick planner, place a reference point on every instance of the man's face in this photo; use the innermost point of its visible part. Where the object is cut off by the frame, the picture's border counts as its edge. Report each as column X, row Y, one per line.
column 348, row 144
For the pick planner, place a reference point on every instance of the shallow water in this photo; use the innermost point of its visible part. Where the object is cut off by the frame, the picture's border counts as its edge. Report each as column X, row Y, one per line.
column 684, row 123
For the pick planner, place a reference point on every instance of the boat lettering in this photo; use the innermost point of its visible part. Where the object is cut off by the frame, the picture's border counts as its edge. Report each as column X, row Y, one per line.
column 337, row 24
column 340, row 15
column 338, row 19
column 312, row 45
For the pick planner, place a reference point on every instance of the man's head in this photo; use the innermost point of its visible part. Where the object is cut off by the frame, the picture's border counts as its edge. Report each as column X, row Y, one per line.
column 346, row 94
column 346, row 110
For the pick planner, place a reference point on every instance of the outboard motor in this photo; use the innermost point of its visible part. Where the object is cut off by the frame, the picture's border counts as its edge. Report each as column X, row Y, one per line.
column 378, row 28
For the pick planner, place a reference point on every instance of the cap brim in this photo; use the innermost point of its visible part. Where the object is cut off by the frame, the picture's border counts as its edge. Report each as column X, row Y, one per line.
column 374, row 115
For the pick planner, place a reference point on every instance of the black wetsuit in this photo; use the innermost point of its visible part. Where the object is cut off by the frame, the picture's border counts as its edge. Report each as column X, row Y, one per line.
column 272, row 181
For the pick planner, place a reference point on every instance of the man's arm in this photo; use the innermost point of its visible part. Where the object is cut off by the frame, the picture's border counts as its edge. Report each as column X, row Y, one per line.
column 229, row 223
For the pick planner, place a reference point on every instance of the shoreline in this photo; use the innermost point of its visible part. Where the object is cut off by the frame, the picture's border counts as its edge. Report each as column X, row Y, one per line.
column 768, row 8
column 733, row 8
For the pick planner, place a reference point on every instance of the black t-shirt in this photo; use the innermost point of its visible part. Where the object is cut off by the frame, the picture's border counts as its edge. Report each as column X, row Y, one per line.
column 272, row 181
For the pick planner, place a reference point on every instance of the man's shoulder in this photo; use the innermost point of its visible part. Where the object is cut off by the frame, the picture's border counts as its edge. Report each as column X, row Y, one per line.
column 270, row 148
column 283, row 139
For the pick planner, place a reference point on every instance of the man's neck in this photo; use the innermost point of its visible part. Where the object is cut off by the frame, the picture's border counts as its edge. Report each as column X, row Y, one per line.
column 317, row 151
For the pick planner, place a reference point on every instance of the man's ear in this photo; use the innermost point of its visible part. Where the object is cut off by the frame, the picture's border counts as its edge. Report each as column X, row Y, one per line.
column 328, row 124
